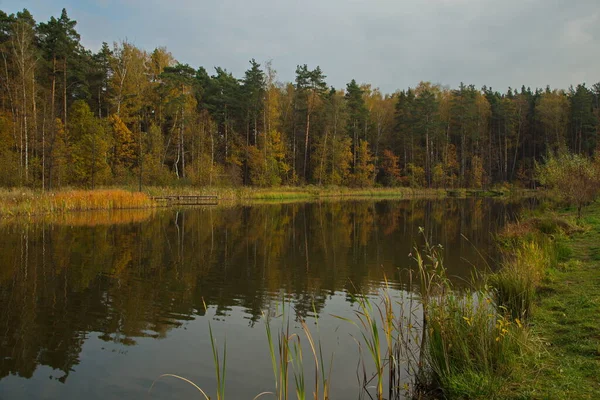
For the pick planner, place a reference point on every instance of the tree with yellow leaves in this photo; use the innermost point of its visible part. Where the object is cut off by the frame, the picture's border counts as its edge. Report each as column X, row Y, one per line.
column 124, row 149
column 364, row 169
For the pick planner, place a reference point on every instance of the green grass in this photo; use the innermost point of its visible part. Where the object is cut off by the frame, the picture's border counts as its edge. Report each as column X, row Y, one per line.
column 472, row 347
column 566, row 316
column 297, row 192
column 515, row 284
column 472, row 342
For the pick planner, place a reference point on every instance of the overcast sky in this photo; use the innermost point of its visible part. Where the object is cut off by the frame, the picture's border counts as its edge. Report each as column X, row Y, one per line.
column 391, row 44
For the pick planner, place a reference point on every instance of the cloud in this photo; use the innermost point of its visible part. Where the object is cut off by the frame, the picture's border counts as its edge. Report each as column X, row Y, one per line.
column 389, row 43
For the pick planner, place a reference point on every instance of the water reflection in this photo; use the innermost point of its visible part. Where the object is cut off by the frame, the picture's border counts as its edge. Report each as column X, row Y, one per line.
column 131, row 277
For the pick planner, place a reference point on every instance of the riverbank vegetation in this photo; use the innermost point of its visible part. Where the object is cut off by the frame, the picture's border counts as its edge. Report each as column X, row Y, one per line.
column 27, row 202
column 557, row 289
column 122, row 115
column 530, row 329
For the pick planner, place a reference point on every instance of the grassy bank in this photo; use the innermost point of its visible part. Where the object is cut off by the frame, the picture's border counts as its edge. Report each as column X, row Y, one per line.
column 565, row 315
column 29, row 203
column 531, row 330
column 297, row 193
column 317, row 192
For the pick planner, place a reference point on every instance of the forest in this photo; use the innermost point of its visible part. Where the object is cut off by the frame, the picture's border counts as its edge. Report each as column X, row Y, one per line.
column 127, row 116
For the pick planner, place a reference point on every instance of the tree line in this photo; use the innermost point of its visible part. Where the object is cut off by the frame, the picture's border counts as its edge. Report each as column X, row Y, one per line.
column 124, row 116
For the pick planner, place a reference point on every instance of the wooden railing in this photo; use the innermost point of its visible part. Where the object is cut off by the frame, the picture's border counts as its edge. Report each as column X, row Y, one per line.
column 190, row 200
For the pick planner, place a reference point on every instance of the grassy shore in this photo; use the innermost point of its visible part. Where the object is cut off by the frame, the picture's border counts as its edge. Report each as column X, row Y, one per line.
column 566, row 317
column 27, row 202
column 23, row 202
column 297, row 193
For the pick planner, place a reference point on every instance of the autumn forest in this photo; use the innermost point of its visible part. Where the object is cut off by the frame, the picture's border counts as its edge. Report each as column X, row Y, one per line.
column 127, row 116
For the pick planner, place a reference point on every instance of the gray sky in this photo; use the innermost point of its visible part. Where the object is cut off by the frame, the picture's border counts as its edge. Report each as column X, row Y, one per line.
column 391, row 44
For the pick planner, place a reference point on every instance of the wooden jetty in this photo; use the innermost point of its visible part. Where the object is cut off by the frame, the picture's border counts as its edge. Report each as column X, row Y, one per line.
column 187, row 200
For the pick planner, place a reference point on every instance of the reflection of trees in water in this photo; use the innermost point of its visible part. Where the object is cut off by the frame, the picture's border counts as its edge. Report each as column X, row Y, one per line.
column 61, row 282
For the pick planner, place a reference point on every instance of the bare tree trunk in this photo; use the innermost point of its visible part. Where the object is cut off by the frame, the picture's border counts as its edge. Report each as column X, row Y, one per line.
column 177, row 162
column 427, row 157
column 512, row 172
column 34, row 105
column 323, row 152
column 294, row 132
column 246, row 174
column 212, row 155
column 65, row 94
column 25, row 126
column 181, row 140
column 226, row 132
column 462, row 157
column 94, row 163
column 44, row 151
column 335, row 124
column 52, row 121
column 354, row 144
column 306, row 135
column 505, row 157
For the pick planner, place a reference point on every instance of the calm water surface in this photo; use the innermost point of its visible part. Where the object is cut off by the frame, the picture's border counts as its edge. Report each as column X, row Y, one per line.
column 98, row 305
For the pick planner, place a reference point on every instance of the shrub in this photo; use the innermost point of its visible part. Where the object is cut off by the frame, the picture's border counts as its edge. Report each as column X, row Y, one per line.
column 573, row 177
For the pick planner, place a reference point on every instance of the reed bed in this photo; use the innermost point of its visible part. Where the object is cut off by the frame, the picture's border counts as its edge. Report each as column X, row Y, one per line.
column 29, row 203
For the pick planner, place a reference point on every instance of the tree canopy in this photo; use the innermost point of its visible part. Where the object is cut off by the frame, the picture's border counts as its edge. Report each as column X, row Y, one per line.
column 122, row 115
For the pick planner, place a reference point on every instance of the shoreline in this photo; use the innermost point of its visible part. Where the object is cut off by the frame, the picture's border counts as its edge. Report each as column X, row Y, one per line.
column 27, row 203
column 565, row 317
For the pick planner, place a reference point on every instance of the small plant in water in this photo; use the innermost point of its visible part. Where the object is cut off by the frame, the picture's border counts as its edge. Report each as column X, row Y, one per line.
column 219, row 367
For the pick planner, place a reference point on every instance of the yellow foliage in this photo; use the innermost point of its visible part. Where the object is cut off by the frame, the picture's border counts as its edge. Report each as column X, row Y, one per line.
column 124, row 150
column 364, row 169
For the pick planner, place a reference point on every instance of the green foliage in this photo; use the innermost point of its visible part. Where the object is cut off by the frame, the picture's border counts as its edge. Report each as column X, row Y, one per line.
column 9, row 172
column 477, row 173
column 416, row 175
column 520, row 275
column 90, row 147
column 573, row 177
column 461, row 137
column 123, row 153
column 438, row 176
column 363, row 169
column 471, row 346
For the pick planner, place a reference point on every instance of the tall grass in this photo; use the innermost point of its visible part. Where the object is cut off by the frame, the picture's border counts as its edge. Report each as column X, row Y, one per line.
column 286, row 349
column 457, row 344
column 470, row 345
column 37, row 203
column 280, row 354
column 469, row 341
column 529, row 248
column 515, row 284
column 219, row 365
column 366, row 321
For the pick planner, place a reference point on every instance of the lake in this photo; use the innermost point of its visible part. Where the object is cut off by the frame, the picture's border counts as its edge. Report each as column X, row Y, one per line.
column 98, row 305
